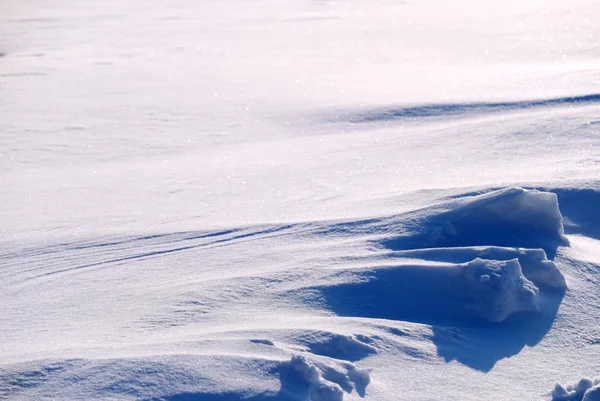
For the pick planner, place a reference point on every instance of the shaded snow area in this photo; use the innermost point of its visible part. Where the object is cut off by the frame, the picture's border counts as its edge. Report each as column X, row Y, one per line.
column 300, row 200
column 585, row 390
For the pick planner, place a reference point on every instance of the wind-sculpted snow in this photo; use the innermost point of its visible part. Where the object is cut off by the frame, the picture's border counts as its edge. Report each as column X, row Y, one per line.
column 330, row 310
column 488, row 279
column 338, row 346
column 585, row 390
column 512, row 217
column 299, row 200
column 206, row 375
column 461, row 110
column 497, row 289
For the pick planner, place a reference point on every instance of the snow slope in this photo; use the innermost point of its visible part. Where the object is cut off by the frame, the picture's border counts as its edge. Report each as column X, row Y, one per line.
column 299, row 200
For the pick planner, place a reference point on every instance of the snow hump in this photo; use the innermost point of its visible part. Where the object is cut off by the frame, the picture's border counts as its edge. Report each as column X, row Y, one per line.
column 513, row 217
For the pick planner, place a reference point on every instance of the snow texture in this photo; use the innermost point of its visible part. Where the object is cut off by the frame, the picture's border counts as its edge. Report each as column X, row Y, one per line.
column 265, row 200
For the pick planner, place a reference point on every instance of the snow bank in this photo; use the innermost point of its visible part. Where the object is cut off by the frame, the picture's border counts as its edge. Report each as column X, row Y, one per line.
column 498, row 289
column 509, row 217
column 585, row 390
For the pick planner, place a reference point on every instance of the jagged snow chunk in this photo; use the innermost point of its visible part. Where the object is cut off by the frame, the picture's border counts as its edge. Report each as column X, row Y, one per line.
column 498, row 289
column 307, row 371
column 326, row 391
column 326, row 383
column 361, row 377
column 537, row 268
column 319, row 388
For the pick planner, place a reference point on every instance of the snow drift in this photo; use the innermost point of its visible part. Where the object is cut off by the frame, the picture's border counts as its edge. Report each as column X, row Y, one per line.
column 488, row 272
column 511, row 217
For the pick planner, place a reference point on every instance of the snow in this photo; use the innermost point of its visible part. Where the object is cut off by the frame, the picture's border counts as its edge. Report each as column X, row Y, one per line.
column 498, row 289
column 593, row 394
column 585, row 390
column 299, row 200
column 509, row 217
column 534, row 263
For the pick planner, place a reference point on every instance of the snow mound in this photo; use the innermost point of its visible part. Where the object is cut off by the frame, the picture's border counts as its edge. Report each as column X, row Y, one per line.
column 534, row 263
column 327, row 383
column 585, row 390
column 511, row 217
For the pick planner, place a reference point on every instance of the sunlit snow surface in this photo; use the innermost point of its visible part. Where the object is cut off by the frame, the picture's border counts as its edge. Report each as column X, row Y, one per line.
column 299, row 200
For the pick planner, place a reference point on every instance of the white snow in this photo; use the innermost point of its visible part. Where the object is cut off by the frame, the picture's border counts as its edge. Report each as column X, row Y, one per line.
column 299, row 200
